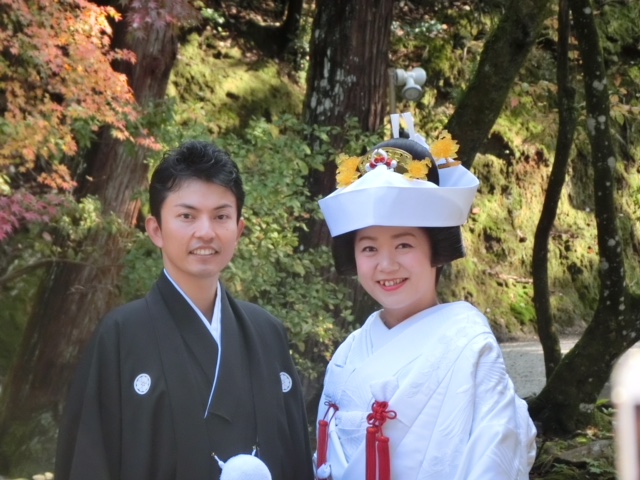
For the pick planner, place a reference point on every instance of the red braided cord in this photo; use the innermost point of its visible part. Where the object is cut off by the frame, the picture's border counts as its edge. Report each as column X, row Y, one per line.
column 378, row 458
column 384, row 458
column 371, row 460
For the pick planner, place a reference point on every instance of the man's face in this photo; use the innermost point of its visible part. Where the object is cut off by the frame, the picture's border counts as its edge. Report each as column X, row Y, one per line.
column 199, row 232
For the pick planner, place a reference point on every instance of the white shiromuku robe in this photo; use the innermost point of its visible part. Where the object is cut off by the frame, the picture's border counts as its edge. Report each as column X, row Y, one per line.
column 442, row 372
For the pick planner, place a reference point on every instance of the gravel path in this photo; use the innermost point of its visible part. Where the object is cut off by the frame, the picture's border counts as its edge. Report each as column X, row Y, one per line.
column 525, row 364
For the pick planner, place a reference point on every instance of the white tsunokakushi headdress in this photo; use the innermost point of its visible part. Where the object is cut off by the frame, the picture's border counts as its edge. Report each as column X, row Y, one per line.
column 401, row 183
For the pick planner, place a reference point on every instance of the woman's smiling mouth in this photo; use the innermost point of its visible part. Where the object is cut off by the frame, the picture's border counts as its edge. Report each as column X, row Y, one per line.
column 391, row 283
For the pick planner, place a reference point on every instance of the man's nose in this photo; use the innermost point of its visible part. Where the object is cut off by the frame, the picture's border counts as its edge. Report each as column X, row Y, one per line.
column 205, row 228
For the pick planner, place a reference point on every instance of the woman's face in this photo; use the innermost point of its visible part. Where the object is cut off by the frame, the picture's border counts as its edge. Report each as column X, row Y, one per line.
column 394, row 267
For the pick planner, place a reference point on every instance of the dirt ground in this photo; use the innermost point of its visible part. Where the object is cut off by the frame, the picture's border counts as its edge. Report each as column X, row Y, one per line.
column 525, row 365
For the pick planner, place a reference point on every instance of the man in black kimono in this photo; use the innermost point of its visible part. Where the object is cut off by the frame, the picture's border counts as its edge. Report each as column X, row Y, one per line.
column 173, row 382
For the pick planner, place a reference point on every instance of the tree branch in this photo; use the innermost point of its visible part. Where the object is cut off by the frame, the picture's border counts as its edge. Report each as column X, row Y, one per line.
column 502, row 58
column 21, row 272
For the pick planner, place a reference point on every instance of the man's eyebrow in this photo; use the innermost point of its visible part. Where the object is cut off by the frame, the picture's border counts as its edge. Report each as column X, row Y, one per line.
column 188, row 206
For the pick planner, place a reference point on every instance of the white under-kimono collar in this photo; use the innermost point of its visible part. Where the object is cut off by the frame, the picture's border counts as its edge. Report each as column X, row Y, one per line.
column 214, row 326
column 381, row 335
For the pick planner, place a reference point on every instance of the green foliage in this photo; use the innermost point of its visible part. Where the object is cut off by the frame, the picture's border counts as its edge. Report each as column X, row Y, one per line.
column 36, row 246
column 28, row 444
column 446, row 42
column 15, row 305
column 587, row 455
column 521, row 304
column 142, row 265
column 218, row 87
column 270, row 268
column 618, row 24
column 212, row 16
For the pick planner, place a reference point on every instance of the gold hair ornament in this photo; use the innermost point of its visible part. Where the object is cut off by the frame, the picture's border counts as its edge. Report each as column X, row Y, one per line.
column 352, row 168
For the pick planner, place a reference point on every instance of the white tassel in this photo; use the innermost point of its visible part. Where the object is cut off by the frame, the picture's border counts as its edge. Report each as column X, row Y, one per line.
column 245, row 467
column 416, row 137
column 395, row 125
column 324, row 472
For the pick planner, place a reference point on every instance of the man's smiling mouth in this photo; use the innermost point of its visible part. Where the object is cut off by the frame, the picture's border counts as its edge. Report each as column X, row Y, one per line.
column 203, row 251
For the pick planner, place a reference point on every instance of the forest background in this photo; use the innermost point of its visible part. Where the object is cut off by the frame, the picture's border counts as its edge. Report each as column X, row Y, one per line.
column 542, row 95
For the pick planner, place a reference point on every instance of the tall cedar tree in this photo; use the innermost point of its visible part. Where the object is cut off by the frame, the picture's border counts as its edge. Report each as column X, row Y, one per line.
column 347, row 77
column 73, row 297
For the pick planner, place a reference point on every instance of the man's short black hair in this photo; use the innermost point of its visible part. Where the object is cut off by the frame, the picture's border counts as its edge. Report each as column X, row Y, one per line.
column 194, row 160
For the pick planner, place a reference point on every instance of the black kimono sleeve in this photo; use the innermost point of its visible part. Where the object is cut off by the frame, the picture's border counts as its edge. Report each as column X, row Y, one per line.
column 88, row 438
column 108, row 431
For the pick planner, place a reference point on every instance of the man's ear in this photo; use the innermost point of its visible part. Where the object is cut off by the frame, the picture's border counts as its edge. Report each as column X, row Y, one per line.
column 241, row 225
column 154, row 231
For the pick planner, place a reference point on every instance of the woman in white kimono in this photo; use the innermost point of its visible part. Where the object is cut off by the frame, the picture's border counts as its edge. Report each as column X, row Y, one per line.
column 421, row 390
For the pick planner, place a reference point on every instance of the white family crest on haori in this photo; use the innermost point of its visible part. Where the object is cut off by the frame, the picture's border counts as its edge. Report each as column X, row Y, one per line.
column 287, row 383
column 142, row 384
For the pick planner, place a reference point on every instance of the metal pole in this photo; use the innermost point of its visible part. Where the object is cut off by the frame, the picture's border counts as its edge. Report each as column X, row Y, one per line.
column 392, row 90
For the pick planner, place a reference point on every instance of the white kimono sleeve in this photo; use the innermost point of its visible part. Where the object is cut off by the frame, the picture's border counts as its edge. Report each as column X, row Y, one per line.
column 501, row 445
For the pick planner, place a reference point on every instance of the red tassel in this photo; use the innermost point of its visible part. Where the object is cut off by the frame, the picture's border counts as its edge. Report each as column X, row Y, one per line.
column 371, row 470
column 378, row 460
column 323, row 435
column 323, row 441
column 384, row 458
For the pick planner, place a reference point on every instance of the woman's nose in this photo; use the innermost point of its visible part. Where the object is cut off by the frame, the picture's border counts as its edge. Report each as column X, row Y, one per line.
column 387, row 262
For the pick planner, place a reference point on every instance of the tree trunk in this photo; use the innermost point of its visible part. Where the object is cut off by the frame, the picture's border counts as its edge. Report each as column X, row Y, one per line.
column 540, row 258
column 73, row 297
column 347, row 78
column 502, row 57
column 347, row 74
column 291, row 25
column 277, row 41
column 567, row 401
